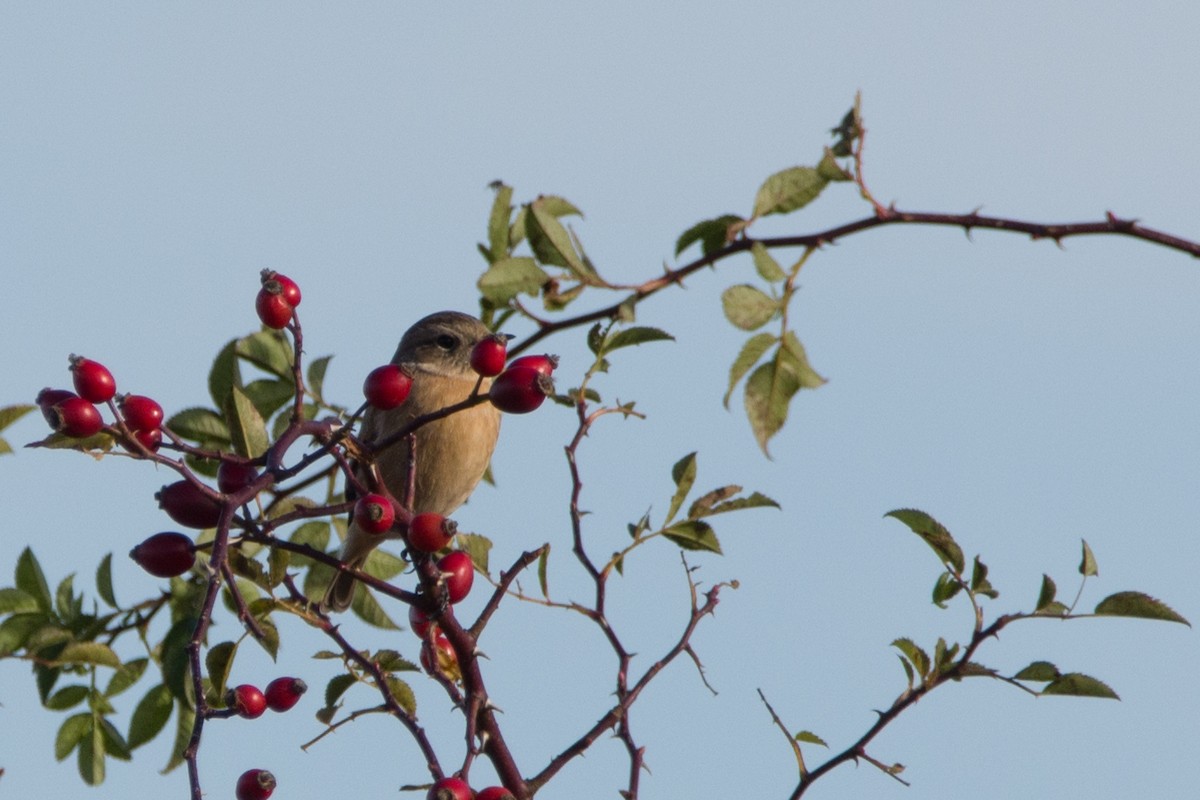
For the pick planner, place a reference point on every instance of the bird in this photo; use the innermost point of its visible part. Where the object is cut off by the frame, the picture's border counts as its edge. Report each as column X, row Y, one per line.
column 452, row 453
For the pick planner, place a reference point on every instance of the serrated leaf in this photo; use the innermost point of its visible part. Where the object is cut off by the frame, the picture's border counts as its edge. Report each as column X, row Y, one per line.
column 543, row 561
column 67, row 697
column 767, row 267
column 754, row 500
column 126, row 675
column 797, row 358
column 1088, row 565
column 403, row 694
column 316, row 376
column 498, row 246
column 15, row 601
column 477, row 547
column 383, row 565
column 918, row 657
column 751, row 352
column 748, row 307
column 270, row 351
column 391, row 661
column 64, row 597
column 635, row 336
column 223, row 376
column 702, row 506
column 712, row 234
column 810, row 738
column 683, row 473
column 1040, row 671
column 694, row 535
column 200, row 425
column 933, row 533
column 218, row 662
column 908, row 670
column 769, row 391
column 247, row 429
column 788, row 190
column 89, row 653
column 31, row 580
column 1077, row 684
column 509, row 277
column 336, row 687
column 1047, row 594
column 979, row 581
column 830, row 169
column 269, row 395
column 70, row 733
column 1136, row 604
column 277, row 565
column 175, row 658
column 972, row 669
column 550, row 241
column 18, row 629
column 367, row 608
column 185, row 718
column 269, row 641
column 315, row 534
column 104, row 585
column 91, row 755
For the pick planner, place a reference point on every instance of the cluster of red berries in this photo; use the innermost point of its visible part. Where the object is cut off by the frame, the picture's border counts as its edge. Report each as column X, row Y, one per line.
column 457, row 789
column 75, row 414
column 249, row 702
column 277, row 299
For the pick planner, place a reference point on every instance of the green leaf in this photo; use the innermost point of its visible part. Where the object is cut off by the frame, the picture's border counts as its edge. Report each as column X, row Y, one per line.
column 315, row 534
column 509, row 277
column 104, row 585
column 1088, row 565
column 1136, row 604
column 114, row 743
column 270, row 638
column 798, row 360
column 246, row 426
column 336, row 687
column 316, row 377
column 693, row 535
column 383, row 565
column 200, row 425
column 550, row 241
column 89, row 653
column 979, row 582
column 543, row 561
column 701, row 508
column 31, row 580
column 830, row 169
column 391, row 661
column 809, row 737
column 218, row 661
column 269, row 395
column 175, row 666
column 367, row 608
column 1054, row 609
column 933, row 533
column 1047, row 594
column 91, row 755
column 498, row 246
column 10, row 414
column 70, row 733
column 945, row 588
column 184, row 720
column 684, row 476
column 64, row 598
column 1079, row 685
column 908, row 670
column 635, row 336
column 224, row 374
column 713, row 234
column 403, row 694
column 270, row 351
column 18, row 629
column 748, row 307
column 918, row 657
column 67, row 697
column 126, row 675
column 768, row 268
column 15, row 601
column 751, row 352
column 1040, row 671
column 277, row 565
column 788, row 190
column 477, row 547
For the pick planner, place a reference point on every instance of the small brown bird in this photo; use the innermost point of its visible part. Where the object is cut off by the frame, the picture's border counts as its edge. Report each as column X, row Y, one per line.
column 452, row 453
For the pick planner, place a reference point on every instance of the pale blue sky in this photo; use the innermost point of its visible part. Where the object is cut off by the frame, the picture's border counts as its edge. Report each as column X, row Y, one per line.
column 154, row 157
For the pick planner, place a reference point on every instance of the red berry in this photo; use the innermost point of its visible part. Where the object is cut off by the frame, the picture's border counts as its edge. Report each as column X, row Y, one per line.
column 188, row 506
column 429, row 532
column 151, row 439
column 248, row 701
column 459, row 573
column 418, row 620
column 93, row 381
column 494, row 793
column 447, row 661
column 273, row 309
column 374, row 513
column 47, row 399
column 283, row 693
column 233, row 476
column 255, row 784
column 487, row 357
column 76, row 417
column 387, row 387
column 520, row 390
column 449, row 789
column 165, row 555
column 287, row 286
column 545, row 363
column 141, row 413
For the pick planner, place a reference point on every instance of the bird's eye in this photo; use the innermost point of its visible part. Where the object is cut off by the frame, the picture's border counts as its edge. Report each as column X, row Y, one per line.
column 446, row 341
